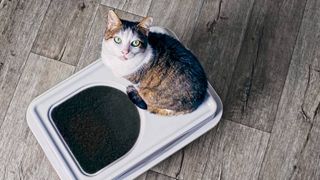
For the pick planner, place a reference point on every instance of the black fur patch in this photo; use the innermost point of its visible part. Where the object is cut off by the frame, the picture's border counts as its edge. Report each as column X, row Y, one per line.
column 179, row 56
column 135, row 98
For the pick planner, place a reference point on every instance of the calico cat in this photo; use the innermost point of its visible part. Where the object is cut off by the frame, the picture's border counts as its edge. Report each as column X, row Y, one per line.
column 169, row 79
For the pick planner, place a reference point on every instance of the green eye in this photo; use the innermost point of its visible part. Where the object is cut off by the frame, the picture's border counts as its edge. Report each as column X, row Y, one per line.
column 117, row 40
column 135, row 43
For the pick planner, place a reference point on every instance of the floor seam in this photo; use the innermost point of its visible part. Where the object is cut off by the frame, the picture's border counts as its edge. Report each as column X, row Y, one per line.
column 247, row 125
column 21, row 69
column 87, row 37
column 274, row 120
column 120, row 10
column 162, row 174
column 241, row 45
column 52, row 59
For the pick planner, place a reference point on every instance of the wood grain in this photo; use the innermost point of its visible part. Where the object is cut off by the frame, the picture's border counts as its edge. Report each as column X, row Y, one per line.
column 151, row 175
column 142, row 176
column 236, row 152
column 22, row 157
column 293, row 151
column 171, row 166
column 92, row 47
column 229, row 151
column 263, row 63
column 64, row 30
column 179, row 15
column 218, row 37
column 138, row 7
column 308, row 163
column 19, row 24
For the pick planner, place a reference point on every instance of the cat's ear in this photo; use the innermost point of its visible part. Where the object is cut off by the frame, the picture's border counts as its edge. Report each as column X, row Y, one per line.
column 145, row 24
column 113, row 24
column 113, row 20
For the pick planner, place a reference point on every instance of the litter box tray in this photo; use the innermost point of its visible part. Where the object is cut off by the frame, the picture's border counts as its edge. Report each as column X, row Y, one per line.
column 89, row 129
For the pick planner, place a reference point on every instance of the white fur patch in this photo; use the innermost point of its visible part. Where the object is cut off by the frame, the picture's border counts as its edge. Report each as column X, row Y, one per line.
column 112, row 57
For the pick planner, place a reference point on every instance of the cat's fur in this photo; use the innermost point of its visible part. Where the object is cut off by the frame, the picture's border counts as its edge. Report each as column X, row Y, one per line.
column 169, row 78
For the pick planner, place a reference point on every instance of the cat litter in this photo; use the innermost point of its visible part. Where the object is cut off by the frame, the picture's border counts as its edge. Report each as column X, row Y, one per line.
column 89, row 129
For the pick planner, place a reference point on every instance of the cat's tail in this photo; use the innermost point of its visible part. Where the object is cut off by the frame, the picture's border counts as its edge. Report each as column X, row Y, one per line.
column 136, row 98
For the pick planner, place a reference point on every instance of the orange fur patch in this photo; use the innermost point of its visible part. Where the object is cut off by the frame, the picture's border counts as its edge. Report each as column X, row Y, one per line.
column 110, row 33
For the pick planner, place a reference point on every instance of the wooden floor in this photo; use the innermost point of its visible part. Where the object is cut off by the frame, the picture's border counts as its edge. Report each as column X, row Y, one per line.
column 262, row 57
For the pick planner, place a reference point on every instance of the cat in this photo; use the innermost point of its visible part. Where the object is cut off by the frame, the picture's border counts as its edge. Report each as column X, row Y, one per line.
column 168, row 78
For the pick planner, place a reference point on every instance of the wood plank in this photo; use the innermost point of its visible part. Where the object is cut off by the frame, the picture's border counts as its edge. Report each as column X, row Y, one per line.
column 153, row 175
column 142, row 176
column 20, row 155
column 292, row 149
column 218, row 37
column 64, row 30
column 92, row 47
column 138, row 7
column 150, row 175
column 117, row 4
column 263, row 63
column 229, row 151
column 33, row 164
column 308, row 164
column 236, row 152
column 171, row 166
column 179, row 15
column 216, row 41
column 19, row 24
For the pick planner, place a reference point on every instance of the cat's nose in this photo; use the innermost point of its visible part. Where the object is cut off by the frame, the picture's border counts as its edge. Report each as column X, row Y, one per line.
column 125, row 52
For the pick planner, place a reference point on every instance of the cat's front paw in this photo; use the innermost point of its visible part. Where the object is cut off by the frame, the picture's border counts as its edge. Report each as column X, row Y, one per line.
column 135, row 98
column 130, row 89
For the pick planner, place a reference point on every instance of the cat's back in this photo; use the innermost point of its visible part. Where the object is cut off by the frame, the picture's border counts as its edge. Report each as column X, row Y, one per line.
column 174, row 54
column 164, row 43
column 176, row 79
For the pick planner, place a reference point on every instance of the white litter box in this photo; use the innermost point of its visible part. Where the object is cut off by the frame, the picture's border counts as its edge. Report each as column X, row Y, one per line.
column 88, row 129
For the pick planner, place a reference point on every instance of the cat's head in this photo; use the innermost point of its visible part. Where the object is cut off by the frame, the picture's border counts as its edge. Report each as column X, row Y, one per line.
column 125, row 43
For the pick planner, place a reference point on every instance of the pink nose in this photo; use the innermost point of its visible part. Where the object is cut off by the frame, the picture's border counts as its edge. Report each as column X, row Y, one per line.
column 125, row 52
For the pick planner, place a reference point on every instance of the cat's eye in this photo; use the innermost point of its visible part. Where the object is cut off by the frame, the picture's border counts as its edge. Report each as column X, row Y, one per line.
column 117, row 40
column 136, row 43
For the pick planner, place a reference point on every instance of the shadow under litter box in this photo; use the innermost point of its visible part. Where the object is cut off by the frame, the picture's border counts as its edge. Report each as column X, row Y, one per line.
column 99, row 125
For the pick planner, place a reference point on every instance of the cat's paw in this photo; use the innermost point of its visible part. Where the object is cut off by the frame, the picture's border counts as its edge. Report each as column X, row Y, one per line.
column 130, row 89
column 135, row 98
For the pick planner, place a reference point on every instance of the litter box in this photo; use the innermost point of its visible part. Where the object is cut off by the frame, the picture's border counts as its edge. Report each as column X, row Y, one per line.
column 89, row 129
